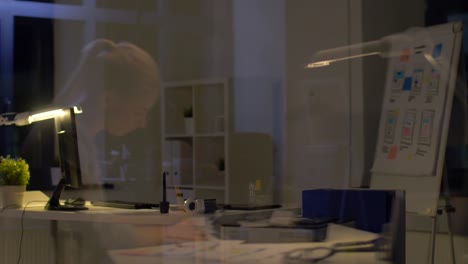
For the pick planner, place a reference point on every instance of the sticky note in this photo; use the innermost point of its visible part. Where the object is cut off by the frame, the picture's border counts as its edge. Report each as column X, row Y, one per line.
column 393, row 153
column 407, row 83
column 437, row 50
column 405, row 54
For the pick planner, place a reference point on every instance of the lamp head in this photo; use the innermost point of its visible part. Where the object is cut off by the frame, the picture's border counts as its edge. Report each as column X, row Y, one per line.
column 323, row 58
column 381, row 47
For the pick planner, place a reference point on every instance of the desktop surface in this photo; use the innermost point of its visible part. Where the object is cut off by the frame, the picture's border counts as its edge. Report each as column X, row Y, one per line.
column 182, row 227
column 236, row 251
column 125, row 204
column 35, row 201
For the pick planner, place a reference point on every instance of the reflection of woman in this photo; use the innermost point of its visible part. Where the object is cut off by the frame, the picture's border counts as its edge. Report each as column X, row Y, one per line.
column 118, row 86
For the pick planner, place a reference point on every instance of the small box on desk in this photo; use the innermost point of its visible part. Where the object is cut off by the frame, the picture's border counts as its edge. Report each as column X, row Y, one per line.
column 275, row 234
column 378, row 211
column 369, row 209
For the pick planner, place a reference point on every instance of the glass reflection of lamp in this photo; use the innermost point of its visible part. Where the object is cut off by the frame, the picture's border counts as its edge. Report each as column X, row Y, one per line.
column 326, row 57
column 65, row 127
column 381, row 47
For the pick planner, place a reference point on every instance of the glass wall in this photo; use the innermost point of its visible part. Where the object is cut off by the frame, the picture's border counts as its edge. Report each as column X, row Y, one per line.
column 213, row 94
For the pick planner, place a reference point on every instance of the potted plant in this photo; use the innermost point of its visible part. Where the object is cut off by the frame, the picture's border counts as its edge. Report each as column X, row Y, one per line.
column 188, row 114
column 14, row 176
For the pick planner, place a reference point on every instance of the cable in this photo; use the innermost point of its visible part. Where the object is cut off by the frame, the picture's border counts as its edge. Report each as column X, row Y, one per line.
column 22, row 228
column 21, row 237
column 22, row 223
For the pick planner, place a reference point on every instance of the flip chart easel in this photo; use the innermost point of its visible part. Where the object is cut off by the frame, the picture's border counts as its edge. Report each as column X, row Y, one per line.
column 415, row 115
column 412, row 139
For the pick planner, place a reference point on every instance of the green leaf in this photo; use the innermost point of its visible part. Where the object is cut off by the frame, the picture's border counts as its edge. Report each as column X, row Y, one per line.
column 14, row 171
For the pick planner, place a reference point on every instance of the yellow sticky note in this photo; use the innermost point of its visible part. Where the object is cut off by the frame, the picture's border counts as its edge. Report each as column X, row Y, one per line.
column 258, row 185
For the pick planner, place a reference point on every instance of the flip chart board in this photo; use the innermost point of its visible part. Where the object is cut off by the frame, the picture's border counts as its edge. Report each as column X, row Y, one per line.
column 415, row 115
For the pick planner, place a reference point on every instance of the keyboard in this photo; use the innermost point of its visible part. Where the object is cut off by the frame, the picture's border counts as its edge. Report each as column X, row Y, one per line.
column 125, row 205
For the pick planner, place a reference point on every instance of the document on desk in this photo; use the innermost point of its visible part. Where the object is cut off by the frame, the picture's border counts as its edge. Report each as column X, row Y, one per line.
column 214, row 251
column 236, row 251
column 130, row 216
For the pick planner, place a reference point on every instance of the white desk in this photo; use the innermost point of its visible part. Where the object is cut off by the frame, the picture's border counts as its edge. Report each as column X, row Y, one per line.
column 96, row 214
column 103, row 227
column 95, row 225
column 225, row 251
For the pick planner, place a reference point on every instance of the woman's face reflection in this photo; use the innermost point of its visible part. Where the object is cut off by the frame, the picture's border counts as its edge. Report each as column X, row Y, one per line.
column 127, row 112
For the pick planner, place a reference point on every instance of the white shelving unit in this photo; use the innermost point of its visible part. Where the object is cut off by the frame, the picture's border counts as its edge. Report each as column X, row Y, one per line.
column 191, row 156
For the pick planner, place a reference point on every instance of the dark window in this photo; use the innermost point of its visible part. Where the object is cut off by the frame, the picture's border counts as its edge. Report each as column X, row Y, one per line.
column 33, row 86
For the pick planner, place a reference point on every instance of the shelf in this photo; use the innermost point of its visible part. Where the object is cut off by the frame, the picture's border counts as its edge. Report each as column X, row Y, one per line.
column 184, row 187
column 206, row 187
column 215, row 134
column 196, row 83
column 178, row 136
column 186, row 136
column 203, row 140
column 191, row 187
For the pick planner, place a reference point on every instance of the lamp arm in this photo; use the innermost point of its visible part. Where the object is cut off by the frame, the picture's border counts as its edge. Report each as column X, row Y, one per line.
column 7, row 119
column 22, row 119
column 17, row 119
column 26, row 118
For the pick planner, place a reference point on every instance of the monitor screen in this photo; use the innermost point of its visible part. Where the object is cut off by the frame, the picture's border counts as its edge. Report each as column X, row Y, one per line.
column 65, row 126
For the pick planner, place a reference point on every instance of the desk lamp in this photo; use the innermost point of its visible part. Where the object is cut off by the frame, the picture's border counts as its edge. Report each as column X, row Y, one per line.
column 326, row 57
column 65, row 127
column 381, row 47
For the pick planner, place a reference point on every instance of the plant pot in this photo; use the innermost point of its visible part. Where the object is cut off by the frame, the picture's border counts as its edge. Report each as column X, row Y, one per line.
column 188, row 125
column 11, row 196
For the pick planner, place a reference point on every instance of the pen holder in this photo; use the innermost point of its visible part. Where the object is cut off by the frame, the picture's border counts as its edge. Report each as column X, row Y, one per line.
column 164, row 207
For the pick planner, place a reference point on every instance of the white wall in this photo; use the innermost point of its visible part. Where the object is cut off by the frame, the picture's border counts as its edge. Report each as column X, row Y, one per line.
column 258, row 56
column 258, row 66
column 317, row 127
column 195, row 40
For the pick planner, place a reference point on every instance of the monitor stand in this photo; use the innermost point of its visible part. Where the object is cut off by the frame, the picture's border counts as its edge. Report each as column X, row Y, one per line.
column 54, row 201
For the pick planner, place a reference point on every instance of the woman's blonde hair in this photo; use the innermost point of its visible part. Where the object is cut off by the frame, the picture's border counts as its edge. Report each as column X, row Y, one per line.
column 105, row 66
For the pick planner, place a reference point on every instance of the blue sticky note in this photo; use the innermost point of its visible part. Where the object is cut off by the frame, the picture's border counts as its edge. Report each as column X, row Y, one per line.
column 407, row 83
column 399, row 75
column 437, row 50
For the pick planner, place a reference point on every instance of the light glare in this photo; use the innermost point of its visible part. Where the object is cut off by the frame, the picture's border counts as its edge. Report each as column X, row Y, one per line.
column 318, row 64
column 46, row 115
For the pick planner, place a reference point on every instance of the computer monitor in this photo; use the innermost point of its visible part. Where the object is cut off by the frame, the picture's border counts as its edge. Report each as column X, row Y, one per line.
column 65, row 127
